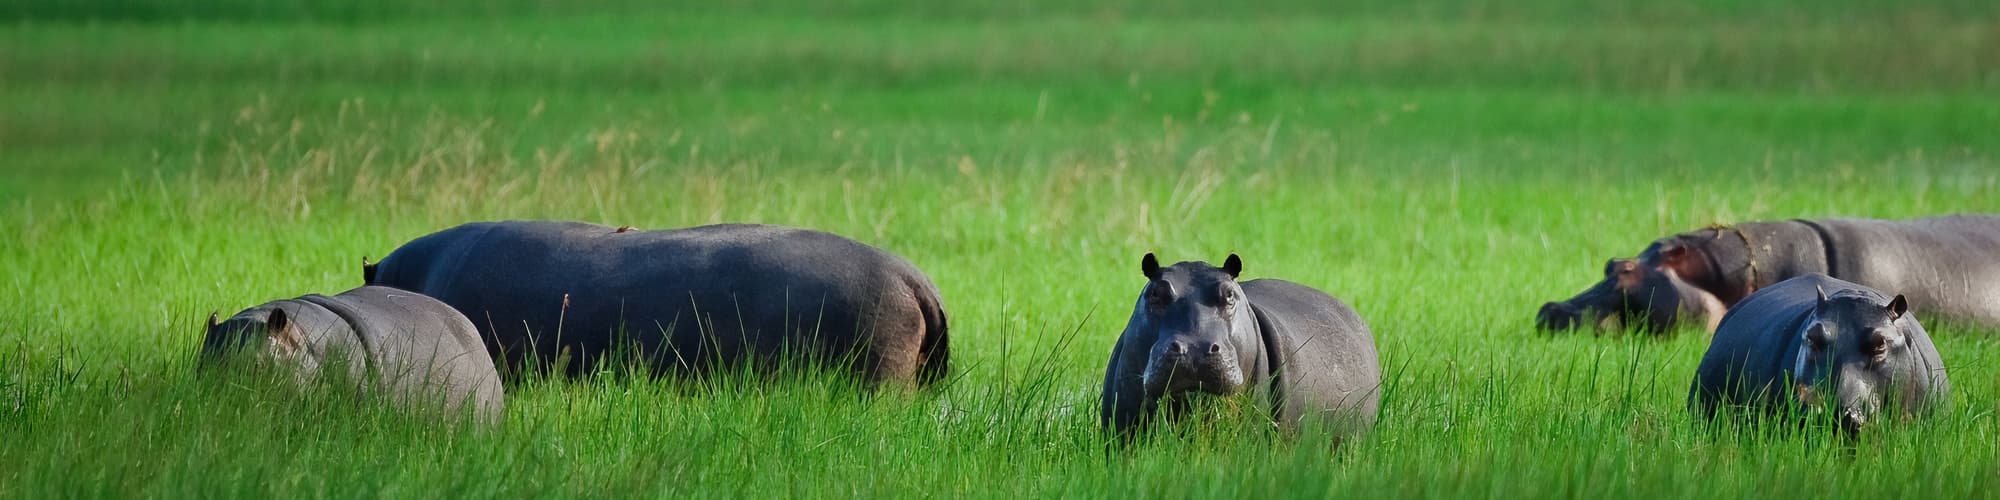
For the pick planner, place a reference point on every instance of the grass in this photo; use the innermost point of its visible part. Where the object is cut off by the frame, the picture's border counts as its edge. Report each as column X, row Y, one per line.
column 1444, row 168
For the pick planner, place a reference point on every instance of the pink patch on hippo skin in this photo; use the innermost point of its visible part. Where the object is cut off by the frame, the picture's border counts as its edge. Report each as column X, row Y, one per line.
column 1713, row 308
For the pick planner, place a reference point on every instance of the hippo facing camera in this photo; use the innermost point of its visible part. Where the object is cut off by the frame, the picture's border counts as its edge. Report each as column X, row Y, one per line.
column 1196, row 329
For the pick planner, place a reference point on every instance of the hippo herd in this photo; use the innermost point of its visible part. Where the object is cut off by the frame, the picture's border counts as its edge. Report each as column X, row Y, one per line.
column 1802, row 323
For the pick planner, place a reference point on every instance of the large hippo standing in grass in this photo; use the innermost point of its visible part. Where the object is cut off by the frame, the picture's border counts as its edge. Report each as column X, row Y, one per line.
column 1949, row 267
column 1196, row 329
column 1818, row 345
column 686, row 300
column 402, row 343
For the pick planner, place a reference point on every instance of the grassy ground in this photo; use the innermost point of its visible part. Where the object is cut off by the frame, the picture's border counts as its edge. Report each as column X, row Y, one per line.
column 1444, row 168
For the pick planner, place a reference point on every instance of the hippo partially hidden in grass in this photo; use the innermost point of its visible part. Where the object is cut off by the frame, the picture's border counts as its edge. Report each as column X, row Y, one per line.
column 1819, row 345
column 1196, row 329
column 1949, row 267
column 412, row 347
column 686, row 300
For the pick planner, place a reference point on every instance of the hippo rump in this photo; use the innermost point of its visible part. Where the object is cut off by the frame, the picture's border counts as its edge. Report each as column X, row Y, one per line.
column 681, row 301
column 1815, row 345
column 413, row 347
column 1196, row 329
column 1948, row 267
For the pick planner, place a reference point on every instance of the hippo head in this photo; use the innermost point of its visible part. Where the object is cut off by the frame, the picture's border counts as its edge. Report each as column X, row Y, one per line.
column 1634, row 293
column 267, row 332
column 1200, row 325
column 1853, row 359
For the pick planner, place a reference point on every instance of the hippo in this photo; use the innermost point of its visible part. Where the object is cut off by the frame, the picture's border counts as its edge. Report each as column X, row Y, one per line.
column 414, row 348
column 567, row 296
column 1196, row 329
column 1948, row 266
column 1846, row 351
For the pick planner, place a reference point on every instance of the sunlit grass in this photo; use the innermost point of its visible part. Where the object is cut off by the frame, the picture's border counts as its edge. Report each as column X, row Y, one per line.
column 158, row 171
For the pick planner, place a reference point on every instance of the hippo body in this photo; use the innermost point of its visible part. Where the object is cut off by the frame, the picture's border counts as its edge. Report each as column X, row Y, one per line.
column 682, row 300
column 1948, row 267
column 1816, row 344
column 403, row 343
column 1196, row 329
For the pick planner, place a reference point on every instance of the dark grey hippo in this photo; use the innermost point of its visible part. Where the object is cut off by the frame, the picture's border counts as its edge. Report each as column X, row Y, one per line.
column 414, row 348
column 685, row 300
column 1819, row 345
column 1196, row 329
column 1949, row 267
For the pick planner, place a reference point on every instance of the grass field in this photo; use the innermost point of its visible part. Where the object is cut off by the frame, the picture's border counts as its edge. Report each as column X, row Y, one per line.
column 1443, row 167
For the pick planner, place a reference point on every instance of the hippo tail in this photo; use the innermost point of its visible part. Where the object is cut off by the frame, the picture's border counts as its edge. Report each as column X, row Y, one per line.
column 935, row 350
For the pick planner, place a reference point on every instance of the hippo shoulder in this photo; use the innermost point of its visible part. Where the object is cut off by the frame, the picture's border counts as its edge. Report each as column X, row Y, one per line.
column 1774, row 307
column 379, row 311
column 1285, row 297
column 1281, row 290
column 418, row 344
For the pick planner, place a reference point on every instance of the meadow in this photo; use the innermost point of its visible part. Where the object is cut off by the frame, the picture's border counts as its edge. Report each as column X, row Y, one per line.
column 1444, row 167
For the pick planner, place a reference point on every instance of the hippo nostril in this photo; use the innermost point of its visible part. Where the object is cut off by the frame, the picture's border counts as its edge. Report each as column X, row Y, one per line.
column 1176, row 347
column 1215, row 348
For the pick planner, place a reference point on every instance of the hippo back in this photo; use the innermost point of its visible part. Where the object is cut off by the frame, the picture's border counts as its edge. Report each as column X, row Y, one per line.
column 1947, row 267
column 1756, row 344
column 1326, row 364
column 681, row 299
column 419, row 347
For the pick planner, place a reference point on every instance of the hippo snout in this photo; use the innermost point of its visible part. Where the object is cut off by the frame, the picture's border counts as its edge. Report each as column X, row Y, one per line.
column 1190, row 364
column 1203, row 348
column 1557, row 316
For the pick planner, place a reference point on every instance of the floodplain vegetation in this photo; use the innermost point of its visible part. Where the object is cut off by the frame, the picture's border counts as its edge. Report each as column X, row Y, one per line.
column 1444, row 167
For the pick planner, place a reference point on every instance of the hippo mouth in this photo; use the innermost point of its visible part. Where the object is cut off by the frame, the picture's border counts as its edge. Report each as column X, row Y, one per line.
column 1170, row 376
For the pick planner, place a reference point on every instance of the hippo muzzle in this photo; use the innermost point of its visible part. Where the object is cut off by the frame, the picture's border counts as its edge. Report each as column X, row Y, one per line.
column 1557, row 316
column 1854, row 402
column 1184, row 364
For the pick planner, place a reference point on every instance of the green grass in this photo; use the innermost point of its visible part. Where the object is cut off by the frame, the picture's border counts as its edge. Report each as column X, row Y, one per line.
column 1444, row 168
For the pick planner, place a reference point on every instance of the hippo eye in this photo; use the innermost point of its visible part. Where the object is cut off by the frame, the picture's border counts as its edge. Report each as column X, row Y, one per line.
column 1159, row 294
column 1228, row 297
column 1816, row 337
column 1877, row 345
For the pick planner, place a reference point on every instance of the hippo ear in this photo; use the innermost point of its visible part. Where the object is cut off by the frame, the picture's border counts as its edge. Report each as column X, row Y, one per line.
column 277, row 321
column 1898, row 307
column 1822, row 295
column 211, row 321
column 278, row 328
column 1151, row 266
column 367, row 271
column 1672, row 253
column 1233, row 266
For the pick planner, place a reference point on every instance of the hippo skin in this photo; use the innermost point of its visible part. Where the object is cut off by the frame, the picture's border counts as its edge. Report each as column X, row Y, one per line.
column 683, row 301
column 410, row 346
column 1948, row 267
column 1196, row 329
column 1819, row 345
